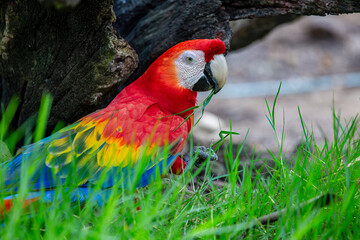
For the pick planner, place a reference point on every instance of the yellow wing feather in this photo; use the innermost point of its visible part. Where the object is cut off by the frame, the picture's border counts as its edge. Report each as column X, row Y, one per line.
column 108, row 139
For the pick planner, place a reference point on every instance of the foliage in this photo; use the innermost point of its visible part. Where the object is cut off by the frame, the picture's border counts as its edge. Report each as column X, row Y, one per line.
column 180, row 207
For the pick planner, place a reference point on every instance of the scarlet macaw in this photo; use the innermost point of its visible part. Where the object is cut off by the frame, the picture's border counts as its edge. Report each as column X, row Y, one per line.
column 146, row 115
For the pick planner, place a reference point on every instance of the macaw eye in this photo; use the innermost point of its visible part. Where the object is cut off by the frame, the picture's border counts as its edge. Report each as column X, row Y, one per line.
column 189, row 59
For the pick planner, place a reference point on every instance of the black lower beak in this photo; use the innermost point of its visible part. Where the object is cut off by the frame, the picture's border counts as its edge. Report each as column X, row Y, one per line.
column 206, row 82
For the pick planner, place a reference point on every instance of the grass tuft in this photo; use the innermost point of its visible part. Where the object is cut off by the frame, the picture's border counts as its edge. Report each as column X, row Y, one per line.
column 182, row 207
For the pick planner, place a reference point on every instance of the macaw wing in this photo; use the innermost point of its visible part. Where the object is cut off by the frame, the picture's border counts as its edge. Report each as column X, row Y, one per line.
column 110, row 138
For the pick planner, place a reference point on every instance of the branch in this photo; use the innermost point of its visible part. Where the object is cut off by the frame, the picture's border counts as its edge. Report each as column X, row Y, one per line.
column 261, row 8
column 317, row 202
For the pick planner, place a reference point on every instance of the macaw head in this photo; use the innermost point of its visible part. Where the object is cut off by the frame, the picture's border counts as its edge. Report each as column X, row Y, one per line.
column 200, row 64
column 186, row 68
column 196, row 65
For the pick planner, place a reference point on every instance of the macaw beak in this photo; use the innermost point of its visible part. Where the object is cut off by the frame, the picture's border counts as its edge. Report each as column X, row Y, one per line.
column 215, row 75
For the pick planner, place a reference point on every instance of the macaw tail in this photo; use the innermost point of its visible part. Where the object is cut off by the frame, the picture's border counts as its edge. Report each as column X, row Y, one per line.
column 8, row 204
column 33, row 199
column 48, row 187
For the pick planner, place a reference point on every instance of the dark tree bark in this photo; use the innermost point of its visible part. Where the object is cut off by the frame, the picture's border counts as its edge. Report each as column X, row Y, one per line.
column 263, row 8
column 72, row 53
column 76, row 51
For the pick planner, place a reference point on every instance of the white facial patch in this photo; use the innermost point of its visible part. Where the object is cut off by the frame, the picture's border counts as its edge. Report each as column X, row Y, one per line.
column 190, row 67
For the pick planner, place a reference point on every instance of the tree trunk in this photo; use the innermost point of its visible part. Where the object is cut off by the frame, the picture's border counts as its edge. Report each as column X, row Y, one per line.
column 76, row 49
column 74, row 54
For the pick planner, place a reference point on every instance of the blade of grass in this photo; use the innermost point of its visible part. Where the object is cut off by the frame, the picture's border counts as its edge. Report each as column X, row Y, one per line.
column 44, row 111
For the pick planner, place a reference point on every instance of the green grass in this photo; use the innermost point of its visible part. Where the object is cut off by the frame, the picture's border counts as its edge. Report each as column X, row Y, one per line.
column 177, row 207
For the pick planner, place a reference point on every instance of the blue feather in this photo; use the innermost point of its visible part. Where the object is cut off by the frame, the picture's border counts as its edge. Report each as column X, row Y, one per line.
column 46, row 178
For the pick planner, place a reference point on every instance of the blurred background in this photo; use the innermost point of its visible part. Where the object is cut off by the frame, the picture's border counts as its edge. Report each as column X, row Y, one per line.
column 317, row 59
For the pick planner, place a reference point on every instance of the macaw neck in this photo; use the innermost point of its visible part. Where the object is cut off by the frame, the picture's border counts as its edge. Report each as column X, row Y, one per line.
column 160, row 84
column 167, row 93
